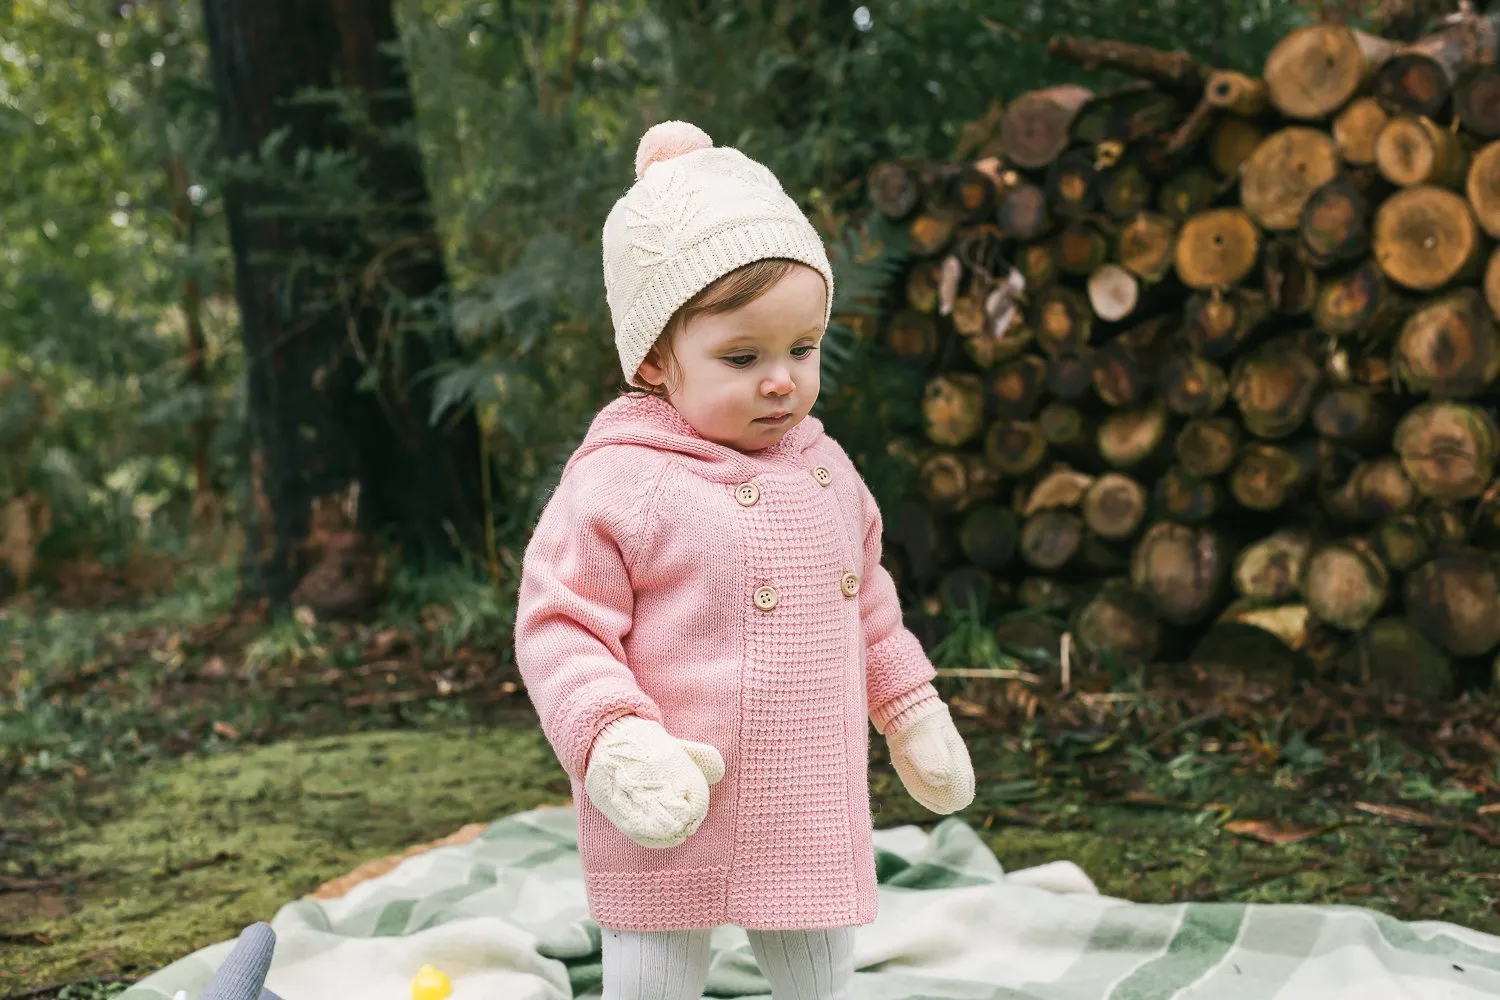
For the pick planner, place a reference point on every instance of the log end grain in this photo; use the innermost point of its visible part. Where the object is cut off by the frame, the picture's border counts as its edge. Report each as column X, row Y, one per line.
column 1217, row 248
column 1283, row 172
column 1425, row 237
column 1314, row 71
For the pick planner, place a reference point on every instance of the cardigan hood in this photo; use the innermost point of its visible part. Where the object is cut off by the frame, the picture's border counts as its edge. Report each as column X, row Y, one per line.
column 654, row 423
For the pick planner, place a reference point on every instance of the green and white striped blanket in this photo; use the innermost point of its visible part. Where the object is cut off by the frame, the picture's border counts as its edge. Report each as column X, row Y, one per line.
column 505, row 917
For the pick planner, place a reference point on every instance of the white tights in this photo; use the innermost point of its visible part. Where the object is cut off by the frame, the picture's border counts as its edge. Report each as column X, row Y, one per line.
column 673, row 965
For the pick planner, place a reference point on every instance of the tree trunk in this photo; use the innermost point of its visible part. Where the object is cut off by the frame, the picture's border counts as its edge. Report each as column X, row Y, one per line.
column 184, row 229
column 318, row 288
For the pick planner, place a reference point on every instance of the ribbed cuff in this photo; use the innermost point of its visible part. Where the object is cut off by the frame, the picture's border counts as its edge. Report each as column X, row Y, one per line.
column 921, row 701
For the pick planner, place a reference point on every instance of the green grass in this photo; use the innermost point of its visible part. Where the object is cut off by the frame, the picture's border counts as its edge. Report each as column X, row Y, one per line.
column 180, row 769
column 190, row 851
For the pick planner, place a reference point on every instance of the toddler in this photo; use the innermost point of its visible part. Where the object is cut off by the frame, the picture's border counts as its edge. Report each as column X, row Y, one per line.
column 704, row 626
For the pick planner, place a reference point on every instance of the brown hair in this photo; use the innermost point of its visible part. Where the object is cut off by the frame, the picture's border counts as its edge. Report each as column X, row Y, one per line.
column 738, row 288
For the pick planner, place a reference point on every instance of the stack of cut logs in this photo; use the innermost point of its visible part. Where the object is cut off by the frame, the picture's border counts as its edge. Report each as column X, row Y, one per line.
column 1214, row 359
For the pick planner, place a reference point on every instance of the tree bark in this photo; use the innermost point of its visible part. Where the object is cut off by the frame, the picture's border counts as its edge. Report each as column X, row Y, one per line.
column 320, row 289
column 1177, row 70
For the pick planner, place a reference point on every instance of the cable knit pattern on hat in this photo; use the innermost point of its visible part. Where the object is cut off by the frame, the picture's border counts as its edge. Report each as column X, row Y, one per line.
column 696, row 212
column 759, row 622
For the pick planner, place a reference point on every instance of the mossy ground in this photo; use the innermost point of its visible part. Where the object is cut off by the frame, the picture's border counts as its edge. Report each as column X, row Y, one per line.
column 171, row 774
column 189, row 851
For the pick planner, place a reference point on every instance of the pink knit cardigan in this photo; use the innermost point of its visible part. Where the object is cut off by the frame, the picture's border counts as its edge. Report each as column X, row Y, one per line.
column 738, row 599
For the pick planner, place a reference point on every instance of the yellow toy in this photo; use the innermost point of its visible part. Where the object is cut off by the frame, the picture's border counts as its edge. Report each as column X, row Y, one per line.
column 430, row 984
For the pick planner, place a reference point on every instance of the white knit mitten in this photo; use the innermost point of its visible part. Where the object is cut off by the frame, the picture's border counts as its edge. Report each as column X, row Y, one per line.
column 932, row 761
column 650, row 784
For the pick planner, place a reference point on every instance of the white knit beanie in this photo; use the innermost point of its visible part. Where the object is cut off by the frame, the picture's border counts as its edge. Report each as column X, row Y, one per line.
column 696, row 212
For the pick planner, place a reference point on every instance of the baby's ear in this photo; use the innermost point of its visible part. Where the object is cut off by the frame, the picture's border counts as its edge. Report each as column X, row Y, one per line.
column 650, row 371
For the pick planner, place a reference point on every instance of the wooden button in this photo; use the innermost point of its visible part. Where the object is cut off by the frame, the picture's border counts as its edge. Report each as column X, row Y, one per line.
column 822, row 475
column 747, row 494
column 849, row 584
column 765, row 598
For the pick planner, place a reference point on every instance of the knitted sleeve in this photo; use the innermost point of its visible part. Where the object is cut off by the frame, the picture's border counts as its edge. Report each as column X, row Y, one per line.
column 898, row 675
column 576, row 605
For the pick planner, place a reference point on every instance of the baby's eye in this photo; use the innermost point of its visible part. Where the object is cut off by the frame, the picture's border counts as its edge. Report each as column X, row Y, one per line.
column 740, row 360
column 807, row 350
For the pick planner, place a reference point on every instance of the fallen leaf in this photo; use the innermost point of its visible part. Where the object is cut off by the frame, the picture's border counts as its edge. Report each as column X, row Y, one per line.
column 1490, row 810
column 213, row 668
column 227, row 731
column 1270, row 832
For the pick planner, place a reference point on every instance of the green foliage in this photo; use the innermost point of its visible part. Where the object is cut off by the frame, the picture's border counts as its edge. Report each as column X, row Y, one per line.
column 100, row 239
column 527, row 124
column 529, row 141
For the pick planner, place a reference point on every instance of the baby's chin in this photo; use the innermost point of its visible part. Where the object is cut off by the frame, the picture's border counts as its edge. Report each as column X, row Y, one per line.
column 755, row 437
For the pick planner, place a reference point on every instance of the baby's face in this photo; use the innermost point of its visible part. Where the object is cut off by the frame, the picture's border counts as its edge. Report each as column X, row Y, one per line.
column 737, row 369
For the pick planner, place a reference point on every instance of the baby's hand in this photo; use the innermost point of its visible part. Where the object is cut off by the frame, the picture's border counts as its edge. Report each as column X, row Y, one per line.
column 929, row 755
column 648, row 783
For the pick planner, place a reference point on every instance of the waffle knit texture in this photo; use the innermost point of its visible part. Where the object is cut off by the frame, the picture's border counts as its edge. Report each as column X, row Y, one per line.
column 689, row 220
column 638, row 597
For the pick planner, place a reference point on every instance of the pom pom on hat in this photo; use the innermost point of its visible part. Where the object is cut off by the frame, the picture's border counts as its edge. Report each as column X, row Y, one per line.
column 666, row 140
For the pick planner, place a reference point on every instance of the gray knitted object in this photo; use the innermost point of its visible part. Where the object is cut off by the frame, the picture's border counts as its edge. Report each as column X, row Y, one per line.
column 243, row 974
